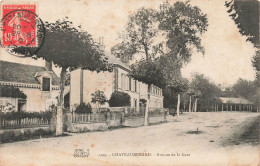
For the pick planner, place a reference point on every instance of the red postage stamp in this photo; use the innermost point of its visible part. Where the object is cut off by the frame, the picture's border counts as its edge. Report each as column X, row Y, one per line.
column 19, row 25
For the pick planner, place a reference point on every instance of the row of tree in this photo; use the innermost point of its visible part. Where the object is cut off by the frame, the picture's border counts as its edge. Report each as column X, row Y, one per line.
column 246, row 16
column 162, row 40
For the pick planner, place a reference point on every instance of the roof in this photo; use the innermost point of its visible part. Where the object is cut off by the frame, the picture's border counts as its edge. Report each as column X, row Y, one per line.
column 116, row 61
column 234, row 100
column 16, row 72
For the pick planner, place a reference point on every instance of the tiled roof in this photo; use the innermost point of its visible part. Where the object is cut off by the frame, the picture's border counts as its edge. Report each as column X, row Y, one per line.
column 16, row 72
column 234, row 100
column 116, row 61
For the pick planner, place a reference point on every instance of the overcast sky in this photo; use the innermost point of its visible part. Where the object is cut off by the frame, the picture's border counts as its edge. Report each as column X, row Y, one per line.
column 227, row 54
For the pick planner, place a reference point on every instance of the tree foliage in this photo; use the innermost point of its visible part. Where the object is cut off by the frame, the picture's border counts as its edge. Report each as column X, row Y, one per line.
column 138, row 37
column 206, row 90
column 246, row 89
column 246, row 16
column 119, row 99
column 170, row 34
column 68, row 47
column 183, row 25
column 98, row 98
column 83, row 108
column 148, row 71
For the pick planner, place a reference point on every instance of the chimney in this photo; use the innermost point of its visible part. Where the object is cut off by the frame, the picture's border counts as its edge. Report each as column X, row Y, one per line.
column 48, row 65
column 101, row 43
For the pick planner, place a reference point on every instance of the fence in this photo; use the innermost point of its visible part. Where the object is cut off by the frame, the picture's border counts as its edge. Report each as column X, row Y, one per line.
column 13, row 120
column 23, row 123
column 134, row 112
column 85, row 118
column 116, row 113
column 157, row 112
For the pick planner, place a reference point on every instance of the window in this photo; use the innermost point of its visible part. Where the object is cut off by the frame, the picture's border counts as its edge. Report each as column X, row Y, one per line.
column 130, row 83
column 122, row 81
column 126, row 83
column 46, row 84
column 135, row 103
column 135, row 86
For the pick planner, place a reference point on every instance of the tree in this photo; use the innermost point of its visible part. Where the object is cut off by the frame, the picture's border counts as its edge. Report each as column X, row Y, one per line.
column 119, row 99
column 147, row 71
column 205, row 89
column 98, row 98
column 183, row 26
column 246, row 16
column 244, row 88
column 176, row 83
column 69, row 48
column 139, row 39
column 142, row 38
column 139, row 35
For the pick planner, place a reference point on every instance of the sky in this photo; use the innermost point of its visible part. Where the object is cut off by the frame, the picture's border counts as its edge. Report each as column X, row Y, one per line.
column 227, row 54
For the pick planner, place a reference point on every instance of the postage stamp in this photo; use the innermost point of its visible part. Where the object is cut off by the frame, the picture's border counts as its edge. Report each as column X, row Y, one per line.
column 19, row 26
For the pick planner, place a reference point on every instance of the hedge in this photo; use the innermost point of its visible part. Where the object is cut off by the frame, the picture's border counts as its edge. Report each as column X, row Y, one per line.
column 119, row 99
column 46, row 115
column 83, row 108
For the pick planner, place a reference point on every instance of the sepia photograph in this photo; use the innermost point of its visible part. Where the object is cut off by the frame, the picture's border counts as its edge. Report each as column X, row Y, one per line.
column 130, row 83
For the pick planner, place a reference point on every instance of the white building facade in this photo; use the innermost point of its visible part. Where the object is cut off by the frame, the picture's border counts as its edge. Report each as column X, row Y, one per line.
column 39, row 84
column 83, row 83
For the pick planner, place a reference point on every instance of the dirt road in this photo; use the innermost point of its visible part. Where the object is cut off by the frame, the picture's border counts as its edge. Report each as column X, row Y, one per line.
column 214, row 138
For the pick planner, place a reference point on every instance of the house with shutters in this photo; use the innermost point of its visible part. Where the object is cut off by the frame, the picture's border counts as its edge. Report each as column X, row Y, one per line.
column 84, row 82
column 39, row 84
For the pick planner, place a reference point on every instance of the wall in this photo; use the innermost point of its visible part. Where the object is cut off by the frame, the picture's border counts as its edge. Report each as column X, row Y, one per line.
column 156, row 100
column 92, row 81
column 104, row 81
column 123, row 86
column 74, row 87
column 36, row 100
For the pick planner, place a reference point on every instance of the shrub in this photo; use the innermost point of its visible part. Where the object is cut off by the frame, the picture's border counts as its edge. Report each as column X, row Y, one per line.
column 98, row 98
column 83, row 108
column 45, row 115
column 119, row 99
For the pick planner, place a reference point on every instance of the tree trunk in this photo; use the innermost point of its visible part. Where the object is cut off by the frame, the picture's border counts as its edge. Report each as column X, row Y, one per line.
column 178, row 105
column 147, row 107
column 190, row 105
column 184, row 107
column 196, row 101
column 193, row 106
column 59, row 124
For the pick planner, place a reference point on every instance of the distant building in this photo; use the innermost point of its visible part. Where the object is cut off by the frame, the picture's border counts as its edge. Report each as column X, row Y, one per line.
column 84, row 83
column 235, row 104
column 40, row 84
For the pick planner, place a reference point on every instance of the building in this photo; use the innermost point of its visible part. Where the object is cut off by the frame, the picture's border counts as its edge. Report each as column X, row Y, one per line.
column 39, row 84
column 235, row 104
column 84, row 83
